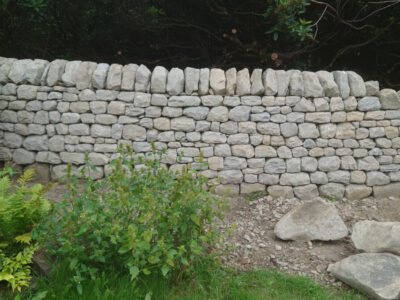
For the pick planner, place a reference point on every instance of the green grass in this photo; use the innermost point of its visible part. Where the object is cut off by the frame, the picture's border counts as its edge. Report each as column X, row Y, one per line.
column 207, row 284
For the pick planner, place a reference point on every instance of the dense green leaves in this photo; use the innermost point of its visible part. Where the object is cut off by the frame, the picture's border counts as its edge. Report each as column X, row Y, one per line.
column 21, row 208
column 142, row 219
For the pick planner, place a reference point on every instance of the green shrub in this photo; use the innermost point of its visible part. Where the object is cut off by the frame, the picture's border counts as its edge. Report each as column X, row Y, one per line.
column 21, row 208
column 141, row 218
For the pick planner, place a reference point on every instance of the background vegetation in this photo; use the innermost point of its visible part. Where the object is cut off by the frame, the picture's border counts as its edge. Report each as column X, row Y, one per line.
column 306, row 34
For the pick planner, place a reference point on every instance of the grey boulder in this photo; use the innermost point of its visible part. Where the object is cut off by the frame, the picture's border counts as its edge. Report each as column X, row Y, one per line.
column 372, row 236
column 311, row 220
column 375, row 274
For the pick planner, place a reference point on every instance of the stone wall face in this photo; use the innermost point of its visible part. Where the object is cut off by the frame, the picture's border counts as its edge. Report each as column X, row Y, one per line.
column 290, row 132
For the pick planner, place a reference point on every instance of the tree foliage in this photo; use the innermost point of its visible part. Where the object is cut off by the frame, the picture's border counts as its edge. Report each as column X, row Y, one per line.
column 306, row 34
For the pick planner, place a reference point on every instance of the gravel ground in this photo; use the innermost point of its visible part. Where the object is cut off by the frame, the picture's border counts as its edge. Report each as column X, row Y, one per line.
column 256, row 247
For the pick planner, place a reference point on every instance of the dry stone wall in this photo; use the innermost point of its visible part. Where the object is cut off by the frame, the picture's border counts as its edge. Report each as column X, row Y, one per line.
column 293, row 133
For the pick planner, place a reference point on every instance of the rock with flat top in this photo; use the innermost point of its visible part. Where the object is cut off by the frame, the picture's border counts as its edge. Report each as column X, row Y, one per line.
column 372, row 236
column 311, row 220
column 375, row 274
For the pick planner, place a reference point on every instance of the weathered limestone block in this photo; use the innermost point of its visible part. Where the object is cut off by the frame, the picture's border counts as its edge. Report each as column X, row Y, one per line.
column 283, row 79
column 231, row 80
column 212, row 100
column 48, row 157
column 312, row 220
column 270, row 82
column 372, row 88
column 312, row 86
column 218, row 81
column 243, row 86
column 128, row 77
column 192, row 77
column 159, row 80
column 204, row 81
column 100, row 75
column 257, row 87
column 5, row 68
column 218, row 114
column 389, row 99
column 70, row 73
column 328, row 83
column 296, row 84
column 375, row 274
column 175, row 82
column 142, row 79
column 23, row 157
column 357, row 85
column 184, row 101
column 27, row 92
column 18, row 69
column 372, row 236
column 114, row 77
column 52, row 74
column 385, row 191
column 230, row 176
column 84, row 75
column 335, row 190
column 34, row 71
column 183, row 124
column 213, row 137
column 36, row 143
column 196, row 113
column 342, row 81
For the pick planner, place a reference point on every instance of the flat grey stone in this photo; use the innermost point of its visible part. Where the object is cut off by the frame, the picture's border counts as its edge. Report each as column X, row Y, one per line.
column 375, row 274
column 311, row 220
column 372, row 236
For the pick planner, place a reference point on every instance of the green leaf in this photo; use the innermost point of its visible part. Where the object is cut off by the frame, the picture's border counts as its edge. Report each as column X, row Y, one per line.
column 164, row 270
column 6, row 276
column 40, row 296
column 79, row 289
column 195, row 219
column 24, row 238
column 73, row 263
column 123, row 249
column 184, row 261
column 146, row 271
column 276, row 35
column 134, row 271
column 148, row 296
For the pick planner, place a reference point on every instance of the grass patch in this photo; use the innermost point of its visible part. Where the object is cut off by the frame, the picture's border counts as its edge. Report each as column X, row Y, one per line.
column 206, row 284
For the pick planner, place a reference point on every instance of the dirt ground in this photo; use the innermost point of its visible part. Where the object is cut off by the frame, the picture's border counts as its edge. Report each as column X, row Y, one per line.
column 256, row 247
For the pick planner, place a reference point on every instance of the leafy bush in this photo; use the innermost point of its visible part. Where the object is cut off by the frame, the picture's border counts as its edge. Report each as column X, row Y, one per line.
column 21, row 208
column 142, row 218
